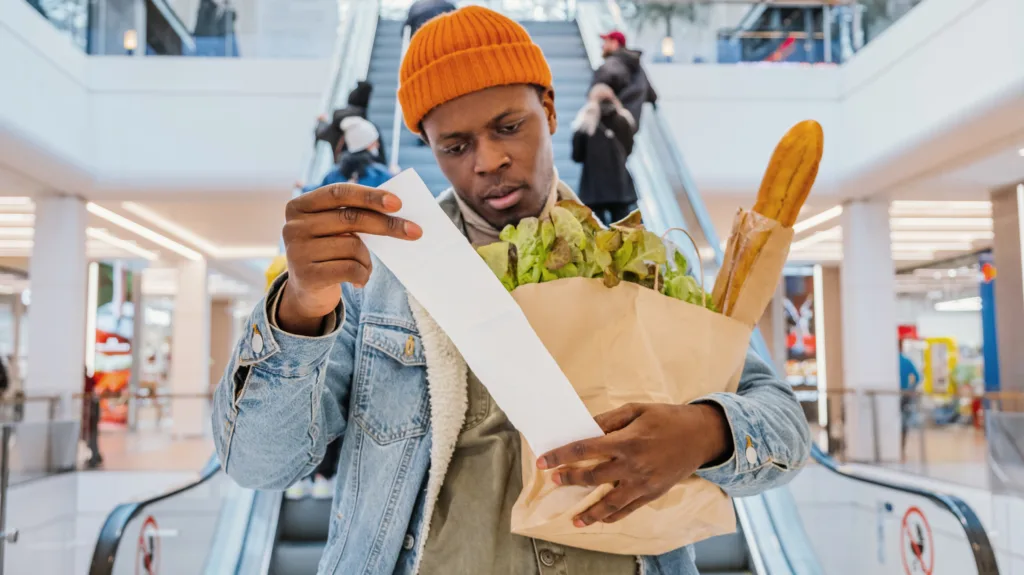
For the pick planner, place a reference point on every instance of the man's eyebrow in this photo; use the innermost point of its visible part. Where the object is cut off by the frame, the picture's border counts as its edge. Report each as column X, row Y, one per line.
column 502, row 116
column 494, row 121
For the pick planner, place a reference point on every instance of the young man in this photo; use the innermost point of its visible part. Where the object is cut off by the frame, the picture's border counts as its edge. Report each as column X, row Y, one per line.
column 429, row 467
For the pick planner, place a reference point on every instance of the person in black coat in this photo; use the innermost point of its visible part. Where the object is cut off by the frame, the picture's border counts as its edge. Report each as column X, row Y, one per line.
column 622, row 72
column 602, row 140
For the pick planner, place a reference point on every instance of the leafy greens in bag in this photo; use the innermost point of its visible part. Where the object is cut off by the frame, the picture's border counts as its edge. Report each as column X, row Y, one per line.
column 572, row 243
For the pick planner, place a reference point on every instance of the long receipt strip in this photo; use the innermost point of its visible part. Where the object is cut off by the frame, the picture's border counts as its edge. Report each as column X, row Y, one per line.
column 445, row 274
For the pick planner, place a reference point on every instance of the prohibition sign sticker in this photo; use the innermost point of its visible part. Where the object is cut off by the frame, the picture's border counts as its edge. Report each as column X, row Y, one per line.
column 147, row 555
column 917, row 547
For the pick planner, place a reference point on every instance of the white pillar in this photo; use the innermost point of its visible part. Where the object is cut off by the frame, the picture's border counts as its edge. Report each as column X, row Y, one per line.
column 190, row 349
column 57, row 310
column 870, row 354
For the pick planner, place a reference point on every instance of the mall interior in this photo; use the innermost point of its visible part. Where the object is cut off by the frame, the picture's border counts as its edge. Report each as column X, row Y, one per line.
column 148, row 149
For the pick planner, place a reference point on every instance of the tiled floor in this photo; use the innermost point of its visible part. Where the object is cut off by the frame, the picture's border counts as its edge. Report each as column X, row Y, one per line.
column 150, row 450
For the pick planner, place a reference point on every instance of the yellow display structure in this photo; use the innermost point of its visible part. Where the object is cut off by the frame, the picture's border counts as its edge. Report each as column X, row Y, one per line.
column 940, row 357
column 278, row 266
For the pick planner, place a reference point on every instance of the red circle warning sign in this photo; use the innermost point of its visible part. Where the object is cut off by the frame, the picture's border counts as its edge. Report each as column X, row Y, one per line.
column 917, row 547
column 147, row 555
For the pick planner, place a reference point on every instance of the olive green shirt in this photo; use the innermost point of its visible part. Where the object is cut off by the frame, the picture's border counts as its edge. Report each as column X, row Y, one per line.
column 470, row 526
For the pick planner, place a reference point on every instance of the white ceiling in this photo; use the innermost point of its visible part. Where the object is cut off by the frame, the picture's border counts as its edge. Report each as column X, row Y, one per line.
column 228, row 223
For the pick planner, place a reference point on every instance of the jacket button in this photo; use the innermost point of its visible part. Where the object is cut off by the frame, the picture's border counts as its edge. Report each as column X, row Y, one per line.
column 409, row 543
column 547, row 557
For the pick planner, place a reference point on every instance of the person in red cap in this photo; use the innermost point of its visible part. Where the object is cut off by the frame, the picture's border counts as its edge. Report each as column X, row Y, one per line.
column 623, row 73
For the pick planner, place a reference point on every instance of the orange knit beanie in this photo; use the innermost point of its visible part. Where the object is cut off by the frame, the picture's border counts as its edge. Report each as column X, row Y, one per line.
column 462, row 52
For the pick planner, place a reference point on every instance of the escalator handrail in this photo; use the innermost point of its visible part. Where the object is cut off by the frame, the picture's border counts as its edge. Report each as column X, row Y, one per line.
column 396, row 127
column 117, row 521
column 977, row 537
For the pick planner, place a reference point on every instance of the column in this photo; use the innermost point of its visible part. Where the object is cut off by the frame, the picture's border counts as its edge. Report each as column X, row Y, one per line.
column 828, row 328
column 57, row 310
column 222, row 338
column 14, row 366
column 190, row 349
column 870, row 355
column 1007, row 210
column 138, row 336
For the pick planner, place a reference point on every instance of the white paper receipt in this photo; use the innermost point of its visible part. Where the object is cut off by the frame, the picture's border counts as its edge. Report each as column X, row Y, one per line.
column 445, row 274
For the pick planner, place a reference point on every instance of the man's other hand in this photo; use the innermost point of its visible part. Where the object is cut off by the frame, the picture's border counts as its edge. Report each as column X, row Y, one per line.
column 649, row 447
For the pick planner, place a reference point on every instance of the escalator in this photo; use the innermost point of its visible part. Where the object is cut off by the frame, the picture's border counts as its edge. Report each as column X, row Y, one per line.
column 780, row 532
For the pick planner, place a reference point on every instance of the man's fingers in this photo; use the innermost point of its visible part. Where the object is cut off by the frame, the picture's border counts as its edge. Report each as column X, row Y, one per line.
column 608, row 472
column 344, row 247
column 338, row 271
column 625, row 511
column 357, row 220
column 616, row 500
column 345, row 195
column 587, row 449
column 619, row 417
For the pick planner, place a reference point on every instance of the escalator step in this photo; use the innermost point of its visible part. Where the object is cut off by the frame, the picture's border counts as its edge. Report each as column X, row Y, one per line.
column 304, row 520
column 292, row 558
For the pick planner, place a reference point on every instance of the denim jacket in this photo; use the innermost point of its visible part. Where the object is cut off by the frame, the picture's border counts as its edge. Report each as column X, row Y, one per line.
column 390, row 382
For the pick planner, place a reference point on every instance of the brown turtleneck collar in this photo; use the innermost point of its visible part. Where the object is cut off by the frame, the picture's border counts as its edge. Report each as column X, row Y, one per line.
column 480, row 232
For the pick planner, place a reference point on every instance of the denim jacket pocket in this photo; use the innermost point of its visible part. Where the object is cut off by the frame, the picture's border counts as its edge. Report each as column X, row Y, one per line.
column 390, row 400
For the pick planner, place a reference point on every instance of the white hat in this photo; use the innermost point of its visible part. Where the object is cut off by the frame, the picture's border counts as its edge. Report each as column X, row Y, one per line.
column 359, row 133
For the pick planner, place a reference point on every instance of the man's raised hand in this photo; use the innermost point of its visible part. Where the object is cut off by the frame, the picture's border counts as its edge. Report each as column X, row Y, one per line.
column 324, row 251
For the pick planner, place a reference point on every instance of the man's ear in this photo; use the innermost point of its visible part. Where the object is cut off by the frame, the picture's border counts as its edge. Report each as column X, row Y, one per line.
column 547, row 99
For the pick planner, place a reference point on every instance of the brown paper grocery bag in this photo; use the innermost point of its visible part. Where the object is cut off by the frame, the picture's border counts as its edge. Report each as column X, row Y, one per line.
column 633, row 344
column 616, row 346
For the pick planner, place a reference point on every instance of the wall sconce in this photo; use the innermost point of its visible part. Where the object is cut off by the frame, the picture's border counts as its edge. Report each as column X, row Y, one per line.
column 668, row 47
column 131, row 41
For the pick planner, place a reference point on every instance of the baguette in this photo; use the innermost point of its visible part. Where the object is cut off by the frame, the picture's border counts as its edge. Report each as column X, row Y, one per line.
column 784, row 188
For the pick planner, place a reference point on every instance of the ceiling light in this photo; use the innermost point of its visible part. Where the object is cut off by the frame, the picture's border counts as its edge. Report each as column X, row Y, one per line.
column 250, row 252
column 833, row 233
column 16, row 232
column 904, row 208
column 982, row 224
column 170, row 227
column 818, row 219
column 15, row 244
column 205, row 245
column 107, row 238
column 933, row 246
column 143, row 231
column 17, row 219
column 932, row 236
column 1021, row 152
column 15, row 201
column 963, row 304
column 913, row 255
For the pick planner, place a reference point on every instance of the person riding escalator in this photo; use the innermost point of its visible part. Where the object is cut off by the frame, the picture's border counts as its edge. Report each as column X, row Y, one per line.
column 602, row 140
